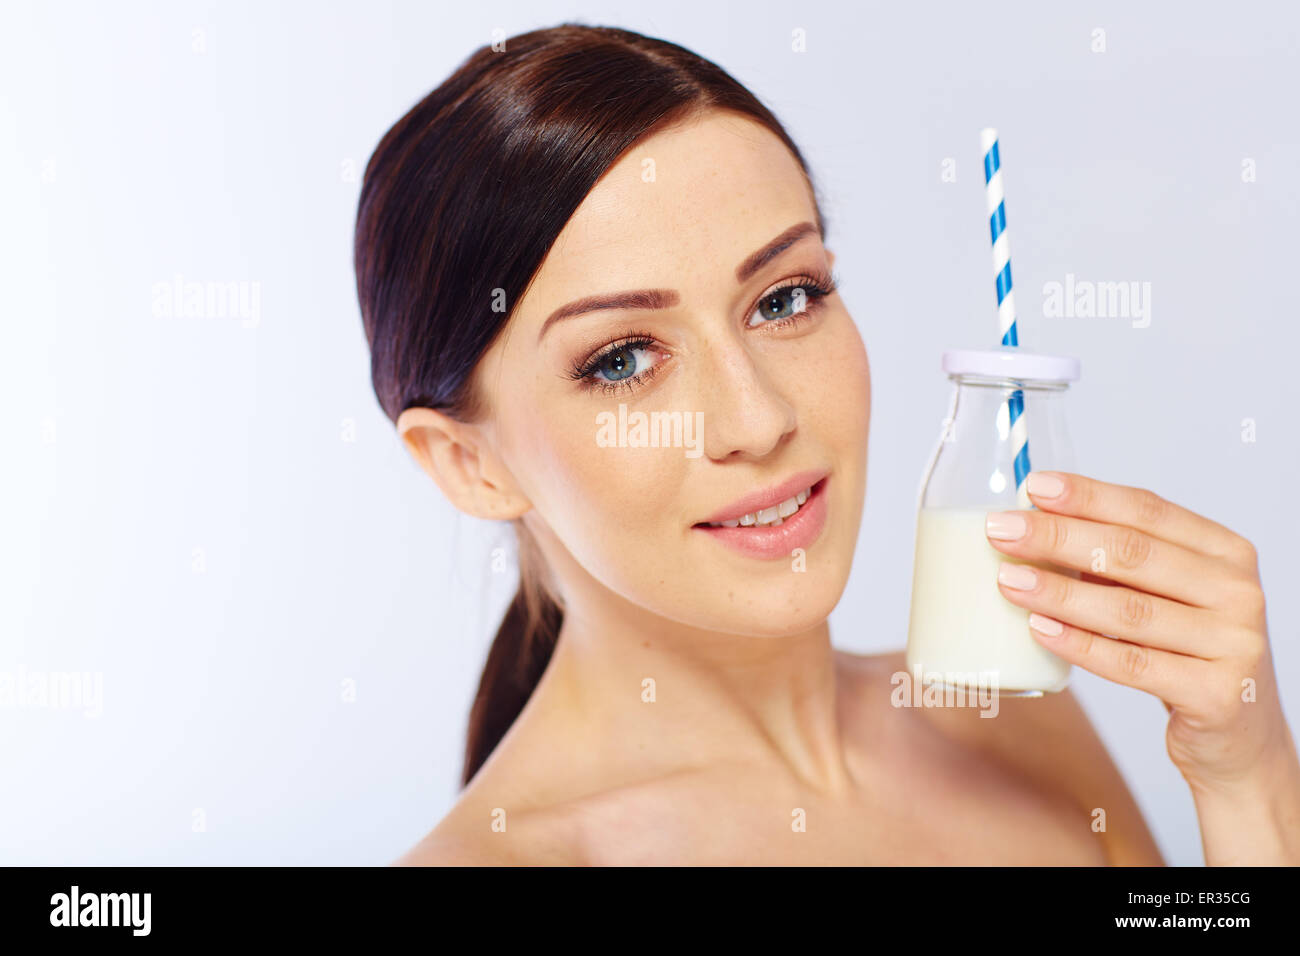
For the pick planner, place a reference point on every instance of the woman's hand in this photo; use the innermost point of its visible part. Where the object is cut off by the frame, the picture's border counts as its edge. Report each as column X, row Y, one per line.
column 1169, row 602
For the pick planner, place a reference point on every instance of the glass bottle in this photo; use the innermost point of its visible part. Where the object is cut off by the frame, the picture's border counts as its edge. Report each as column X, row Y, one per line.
column 962, row 632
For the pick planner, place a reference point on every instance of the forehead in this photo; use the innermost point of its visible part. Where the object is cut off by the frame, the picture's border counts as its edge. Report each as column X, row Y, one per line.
column 690, row 201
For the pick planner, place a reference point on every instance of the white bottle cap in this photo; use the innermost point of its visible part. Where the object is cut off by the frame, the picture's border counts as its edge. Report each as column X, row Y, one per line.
column 1012, row 362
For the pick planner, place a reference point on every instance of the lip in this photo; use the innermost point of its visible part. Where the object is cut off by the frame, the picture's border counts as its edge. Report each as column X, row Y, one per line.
column 799, row 530
column 768, row 497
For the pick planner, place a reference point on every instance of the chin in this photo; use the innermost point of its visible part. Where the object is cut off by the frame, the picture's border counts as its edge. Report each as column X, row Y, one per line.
column 783, row 604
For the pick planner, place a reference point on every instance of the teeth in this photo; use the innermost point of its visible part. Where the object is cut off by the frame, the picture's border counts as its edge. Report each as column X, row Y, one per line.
column 768, row 517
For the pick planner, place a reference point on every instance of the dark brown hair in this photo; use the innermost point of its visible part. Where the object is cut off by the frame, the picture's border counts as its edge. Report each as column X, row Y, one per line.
column 461, row 201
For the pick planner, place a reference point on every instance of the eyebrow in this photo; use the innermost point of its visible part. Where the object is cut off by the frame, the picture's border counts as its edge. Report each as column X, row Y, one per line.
column 665, row 298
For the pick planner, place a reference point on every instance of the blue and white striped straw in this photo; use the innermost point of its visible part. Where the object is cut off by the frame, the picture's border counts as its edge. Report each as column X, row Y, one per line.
column 1006, row 301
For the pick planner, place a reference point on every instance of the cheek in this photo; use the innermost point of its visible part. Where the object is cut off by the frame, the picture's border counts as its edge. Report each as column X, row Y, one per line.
column 858, row 370
column 832, row 382
column 599, row 500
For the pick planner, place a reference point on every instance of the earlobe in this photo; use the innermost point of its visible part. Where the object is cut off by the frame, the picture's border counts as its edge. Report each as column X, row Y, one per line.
column 454, row 454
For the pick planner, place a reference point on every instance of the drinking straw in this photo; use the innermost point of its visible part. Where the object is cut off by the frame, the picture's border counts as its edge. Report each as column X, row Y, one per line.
column 1006, row 301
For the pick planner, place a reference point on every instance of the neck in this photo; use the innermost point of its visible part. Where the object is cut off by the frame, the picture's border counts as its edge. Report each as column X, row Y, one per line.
column 676, row 698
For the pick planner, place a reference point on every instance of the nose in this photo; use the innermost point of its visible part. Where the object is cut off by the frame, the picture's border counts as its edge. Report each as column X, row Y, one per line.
column 745, row 413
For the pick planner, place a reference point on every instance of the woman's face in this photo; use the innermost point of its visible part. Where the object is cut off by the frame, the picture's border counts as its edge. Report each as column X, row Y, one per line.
column 760, row 391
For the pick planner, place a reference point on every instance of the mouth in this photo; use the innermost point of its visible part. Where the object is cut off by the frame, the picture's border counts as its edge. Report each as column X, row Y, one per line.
column 772, row 523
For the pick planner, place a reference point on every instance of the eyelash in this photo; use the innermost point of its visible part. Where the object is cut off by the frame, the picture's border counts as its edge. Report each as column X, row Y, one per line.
column 817, row 286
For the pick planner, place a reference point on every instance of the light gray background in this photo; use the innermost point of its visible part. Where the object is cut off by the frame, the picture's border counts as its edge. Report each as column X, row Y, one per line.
column 183, row 511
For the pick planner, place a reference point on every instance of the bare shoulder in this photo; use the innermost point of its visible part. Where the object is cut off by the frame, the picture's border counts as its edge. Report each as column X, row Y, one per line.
column 443, row 847
column 1048, row 740
column 475, row 834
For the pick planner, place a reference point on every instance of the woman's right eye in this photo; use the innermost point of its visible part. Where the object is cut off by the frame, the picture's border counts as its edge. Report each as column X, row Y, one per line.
column 623, row 364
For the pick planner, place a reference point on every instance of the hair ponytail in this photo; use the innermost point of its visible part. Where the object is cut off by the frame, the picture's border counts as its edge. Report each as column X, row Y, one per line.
column 517, row 659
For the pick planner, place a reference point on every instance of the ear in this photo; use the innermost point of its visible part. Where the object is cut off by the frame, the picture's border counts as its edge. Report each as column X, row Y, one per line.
column 458, row 457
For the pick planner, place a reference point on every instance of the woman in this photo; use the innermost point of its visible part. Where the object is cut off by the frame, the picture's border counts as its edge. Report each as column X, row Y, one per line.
column 591, row 226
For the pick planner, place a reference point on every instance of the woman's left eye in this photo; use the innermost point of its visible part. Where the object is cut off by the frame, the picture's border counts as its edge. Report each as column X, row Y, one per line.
column 789, row 301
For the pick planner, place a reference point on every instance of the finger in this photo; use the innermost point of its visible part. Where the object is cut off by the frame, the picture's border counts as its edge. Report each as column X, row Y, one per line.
column 1113, row 611
column 1122, row 554
column 1138, row 508
column 1097, row 579
column 1172, row 677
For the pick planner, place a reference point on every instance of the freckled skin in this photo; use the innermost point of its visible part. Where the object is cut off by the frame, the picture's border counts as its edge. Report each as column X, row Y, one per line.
column 754, row 711
column 772, row 404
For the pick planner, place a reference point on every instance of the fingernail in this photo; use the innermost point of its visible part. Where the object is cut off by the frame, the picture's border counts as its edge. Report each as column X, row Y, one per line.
column 1005, row 525
column 1045, row 625
column 1018, row 576
column 1044, row 485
